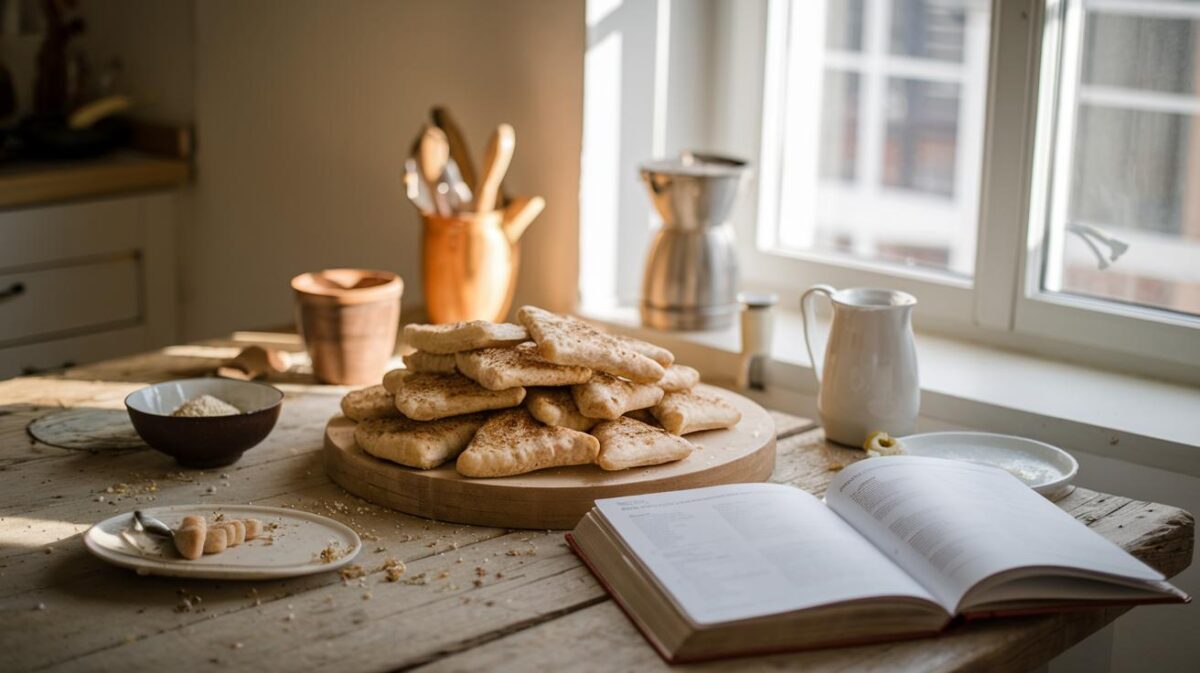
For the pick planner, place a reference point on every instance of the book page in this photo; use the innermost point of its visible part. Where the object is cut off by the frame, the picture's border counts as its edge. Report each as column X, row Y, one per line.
column 739, row 551
column 951, row 524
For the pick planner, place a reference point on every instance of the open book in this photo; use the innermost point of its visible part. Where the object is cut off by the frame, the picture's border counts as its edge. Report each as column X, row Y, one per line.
column 899, row 549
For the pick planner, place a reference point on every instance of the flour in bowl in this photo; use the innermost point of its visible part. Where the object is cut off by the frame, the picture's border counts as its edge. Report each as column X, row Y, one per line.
column 206, row 405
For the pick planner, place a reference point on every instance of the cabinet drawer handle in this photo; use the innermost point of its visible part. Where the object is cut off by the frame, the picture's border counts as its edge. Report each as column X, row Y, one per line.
column 14, row 290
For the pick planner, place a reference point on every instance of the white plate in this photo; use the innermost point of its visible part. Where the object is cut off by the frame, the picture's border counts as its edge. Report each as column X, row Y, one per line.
column 1044, row 468
column 293, row 548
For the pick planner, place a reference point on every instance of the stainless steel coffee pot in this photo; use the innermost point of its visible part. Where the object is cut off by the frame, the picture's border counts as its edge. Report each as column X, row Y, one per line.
column 691, row 274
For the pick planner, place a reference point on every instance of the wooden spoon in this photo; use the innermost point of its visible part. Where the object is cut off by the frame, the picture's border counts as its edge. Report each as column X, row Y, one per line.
column 458, row 143
column 432, row 156
column 495, row 164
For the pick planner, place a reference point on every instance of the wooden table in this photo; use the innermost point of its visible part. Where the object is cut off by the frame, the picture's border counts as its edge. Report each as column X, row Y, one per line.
column 471, row 598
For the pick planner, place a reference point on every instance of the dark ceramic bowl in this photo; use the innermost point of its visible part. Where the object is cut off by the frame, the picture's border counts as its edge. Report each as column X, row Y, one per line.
column 208, row 441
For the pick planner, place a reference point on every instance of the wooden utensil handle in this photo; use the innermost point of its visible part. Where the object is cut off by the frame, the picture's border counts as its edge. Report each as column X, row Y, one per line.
column 519, row 214
column 432, row 156
column 495, row 165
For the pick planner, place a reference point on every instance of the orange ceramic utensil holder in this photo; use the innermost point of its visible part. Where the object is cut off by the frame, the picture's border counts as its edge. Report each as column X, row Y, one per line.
column 471, row 261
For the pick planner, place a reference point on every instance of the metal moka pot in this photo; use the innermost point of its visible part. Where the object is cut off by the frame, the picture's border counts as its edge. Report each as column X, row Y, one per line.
column 691, row 275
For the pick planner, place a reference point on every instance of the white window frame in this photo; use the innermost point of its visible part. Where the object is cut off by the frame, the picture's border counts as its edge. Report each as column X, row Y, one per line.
column 696, row 75
column 1004, row 303
column 1122, row 328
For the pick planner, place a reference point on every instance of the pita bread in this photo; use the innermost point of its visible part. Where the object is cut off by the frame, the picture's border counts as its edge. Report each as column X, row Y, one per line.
column 368, row 403
column 626, row 443
column 433, row 363
column 678, row 378
column 567, row 341
column 511, row 442
column 659, row 354
column 463, row 336
column 428, row 397
column 607, row 397
column 695, row 410
column 423, row 445
column 501, row 368
column 643, row 415
column 393, row 379
column 555, row 406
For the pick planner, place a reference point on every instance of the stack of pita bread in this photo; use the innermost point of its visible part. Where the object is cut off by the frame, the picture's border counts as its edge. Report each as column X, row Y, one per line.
column 505, row 399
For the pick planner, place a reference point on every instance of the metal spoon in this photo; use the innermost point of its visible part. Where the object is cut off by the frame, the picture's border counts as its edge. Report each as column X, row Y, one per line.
column 459, row 191
column 145, row 523
column 416, row 188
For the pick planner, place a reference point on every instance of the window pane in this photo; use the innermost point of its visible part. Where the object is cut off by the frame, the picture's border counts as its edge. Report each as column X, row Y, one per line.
column 839, row 125
column 894, row 178
column 844, row 25
column 928, row 29
column 1130, row 229
column 1131, row 169
column 1164, row 49
column 922, row 136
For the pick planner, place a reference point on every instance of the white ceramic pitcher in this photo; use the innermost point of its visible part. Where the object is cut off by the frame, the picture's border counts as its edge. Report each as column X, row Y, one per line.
column 868, row 378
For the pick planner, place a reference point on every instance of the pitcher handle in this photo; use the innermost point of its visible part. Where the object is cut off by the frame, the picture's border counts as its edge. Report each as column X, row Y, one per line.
column 806, row 318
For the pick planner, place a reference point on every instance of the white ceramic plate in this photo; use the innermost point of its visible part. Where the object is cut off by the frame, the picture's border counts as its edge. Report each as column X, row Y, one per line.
column 1044, row 468
column 293, row 548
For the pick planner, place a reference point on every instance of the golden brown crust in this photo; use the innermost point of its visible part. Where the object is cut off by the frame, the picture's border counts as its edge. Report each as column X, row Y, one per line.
column 503, row 368
column 555, row 406
column 608, row 397
column 567, row 341
column 463, row 336
column 428, row 397
column 659, row 354
column 511, row 443
column 433, row 363
column 626, row 443
column 393, row 379
column 368, row 403
column 695, row 410
column 419, row 444
column 679, row 378
column 189, row 538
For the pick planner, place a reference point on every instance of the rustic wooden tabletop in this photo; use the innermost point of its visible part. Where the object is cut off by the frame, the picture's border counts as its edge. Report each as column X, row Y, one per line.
column 471, row 598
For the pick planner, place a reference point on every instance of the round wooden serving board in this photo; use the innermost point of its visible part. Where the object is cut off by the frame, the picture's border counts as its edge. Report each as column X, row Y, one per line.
column 555, row 498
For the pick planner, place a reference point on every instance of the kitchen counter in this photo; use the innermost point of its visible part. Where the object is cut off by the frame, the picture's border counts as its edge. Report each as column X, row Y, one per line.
column 532, row 607
column 28, row 183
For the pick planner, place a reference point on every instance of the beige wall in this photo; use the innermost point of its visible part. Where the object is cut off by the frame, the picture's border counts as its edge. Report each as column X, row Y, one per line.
column 305, row 111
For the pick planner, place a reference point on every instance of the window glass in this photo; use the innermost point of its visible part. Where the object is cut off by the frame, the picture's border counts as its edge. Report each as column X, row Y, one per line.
column 921, row 146
column 839, row 125
column 893, row 102
column 928, row 29
column 1130, row 183
column 1140, row 52
column 844, row 25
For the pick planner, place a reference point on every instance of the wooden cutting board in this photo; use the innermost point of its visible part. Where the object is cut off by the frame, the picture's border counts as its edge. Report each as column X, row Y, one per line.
column 549, row 499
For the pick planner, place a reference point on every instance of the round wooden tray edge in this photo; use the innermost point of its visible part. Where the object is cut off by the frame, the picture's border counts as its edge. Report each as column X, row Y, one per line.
column 503, row 502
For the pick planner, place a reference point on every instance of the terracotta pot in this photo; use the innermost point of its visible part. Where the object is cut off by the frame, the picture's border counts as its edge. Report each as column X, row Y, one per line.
column 348, row 319
column 470, row 267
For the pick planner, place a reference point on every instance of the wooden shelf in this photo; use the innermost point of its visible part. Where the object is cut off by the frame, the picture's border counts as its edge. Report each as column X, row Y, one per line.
column 28, row 183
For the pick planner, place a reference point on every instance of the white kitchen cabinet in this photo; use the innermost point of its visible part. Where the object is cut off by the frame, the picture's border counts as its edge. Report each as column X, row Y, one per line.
column 86, row 281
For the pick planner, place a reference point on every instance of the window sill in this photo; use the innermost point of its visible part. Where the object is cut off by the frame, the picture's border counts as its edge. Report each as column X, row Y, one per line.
column 963, row 384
